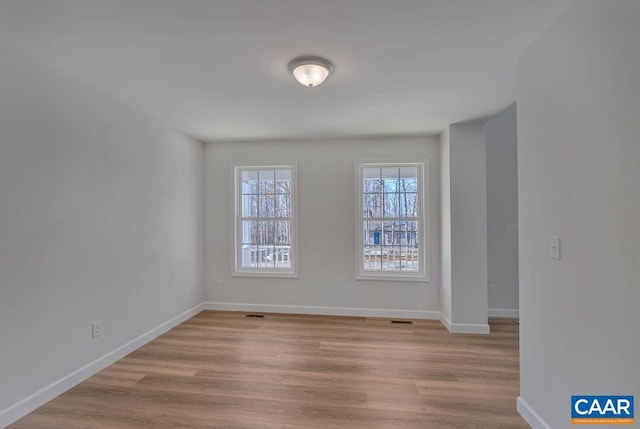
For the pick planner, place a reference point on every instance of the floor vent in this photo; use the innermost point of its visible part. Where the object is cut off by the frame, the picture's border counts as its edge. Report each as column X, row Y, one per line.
column 402, row 322
column 260, row 316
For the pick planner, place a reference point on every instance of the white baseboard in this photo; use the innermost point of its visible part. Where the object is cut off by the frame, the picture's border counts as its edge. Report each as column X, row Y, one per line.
column 326, row 311
column 445, row 321
column 42, row 396
column 456, row 328
column 464, row 328
column 530, row 416
column 504, row 312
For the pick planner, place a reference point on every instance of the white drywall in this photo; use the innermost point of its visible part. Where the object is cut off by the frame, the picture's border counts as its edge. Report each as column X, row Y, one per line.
column 468, row 225
column 463, row 191
column 502, row 209
column 327, row 192
column 445, row 224
column 100, row 219
column 579, row 179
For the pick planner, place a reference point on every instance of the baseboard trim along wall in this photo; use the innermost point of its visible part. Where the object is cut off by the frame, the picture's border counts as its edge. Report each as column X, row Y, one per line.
column 504, row 312
column 324, row 311
column 530, row 416
column 44, row 395
column 464, row 328
column 455, row 328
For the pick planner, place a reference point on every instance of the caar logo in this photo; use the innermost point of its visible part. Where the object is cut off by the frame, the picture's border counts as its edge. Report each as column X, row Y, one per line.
column 602, row 410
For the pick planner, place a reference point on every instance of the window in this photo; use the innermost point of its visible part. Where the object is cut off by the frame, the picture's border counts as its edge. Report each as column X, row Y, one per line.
column 391, row 221
column 265, row 221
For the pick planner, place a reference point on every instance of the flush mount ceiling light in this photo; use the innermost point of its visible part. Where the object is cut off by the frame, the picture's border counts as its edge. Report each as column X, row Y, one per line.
column 310, row 71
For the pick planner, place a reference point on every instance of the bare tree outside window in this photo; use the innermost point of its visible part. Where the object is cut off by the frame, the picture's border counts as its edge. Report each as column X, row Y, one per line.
column 266, row 208
column 391, row 217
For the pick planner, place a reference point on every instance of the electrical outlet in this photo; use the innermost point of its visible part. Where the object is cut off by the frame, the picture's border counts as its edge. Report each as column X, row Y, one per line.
column 220, row 284
column 493, row 289
column 96, row 329
column 554, row 248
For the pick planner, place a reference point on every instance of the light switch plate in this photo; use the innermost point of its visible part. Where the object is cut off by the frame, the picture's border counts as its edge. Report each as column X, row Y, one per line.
column 96, row 329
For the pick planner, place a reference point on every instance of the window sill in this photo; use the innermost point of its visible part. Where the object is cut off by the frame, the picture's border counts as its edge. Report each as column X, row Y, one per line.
column 394, row 278
column 265, row 274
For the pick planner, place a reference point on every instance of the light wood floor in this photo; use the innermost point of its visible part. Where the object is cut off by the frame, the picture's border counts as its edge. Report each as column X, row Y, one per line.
column 224, row 370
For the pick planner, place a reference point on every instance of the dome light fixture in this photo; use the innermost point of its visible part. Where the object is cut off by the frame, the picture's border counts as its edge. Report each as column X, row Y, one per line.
column 310, row 71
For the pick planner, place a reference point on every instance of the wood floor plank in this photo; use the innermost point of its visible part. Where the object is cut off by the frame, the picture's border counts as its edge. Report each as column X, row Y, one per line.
column 341, row 382
column 224, row 370
column 251, row 389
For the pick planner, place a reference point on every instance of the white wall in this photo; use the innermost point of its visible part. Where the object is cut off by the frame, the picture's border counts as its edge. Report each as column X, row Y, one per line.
column 579, row 179
column 445, row 223
column 468, row 227
column 326, row 181
column 100, row 219
column 502, row 209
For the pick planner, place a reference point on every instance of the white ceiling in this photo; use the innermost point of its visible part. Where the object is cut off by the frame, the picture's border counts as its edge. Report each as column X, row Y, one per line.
column 217, row 69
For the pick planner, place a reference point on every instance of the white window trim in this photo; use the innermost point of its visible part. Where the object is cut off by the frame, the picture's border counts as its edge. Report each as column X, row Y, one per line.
column 423, row 224
column 237, row 269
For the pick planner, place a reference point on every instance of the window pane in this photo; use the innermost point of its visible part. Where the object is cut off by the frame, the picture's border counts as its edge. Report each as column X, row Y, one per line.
column 408, row 173
column 410, row 259
column 249, row 205
column 282, row 257
column 283, row 233
column 408, row 204
column 266, row 232
column 249, row 175
column 373, row 185
column 264, row 256
column 372, row 188
column 375, row 253
column 386, row 258
column 397, row 233
column 391, row 203
column 389, row 173
column 249, row 232
column 373, row 258
column 408, row 185
column 370, row 173
column 267, row 206
column 283, row 205
column 372, row 233
column 283, row 175
column 372, row 205
column 283, row 187
column 412, row 234
column 249, row 182
column 390, row 185
column 266, row 182
column 247, row 255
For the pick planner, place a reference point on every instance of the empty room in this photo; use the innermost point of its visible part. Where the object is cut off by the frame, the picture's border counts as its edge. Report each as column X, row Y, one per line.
column 269, row 214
